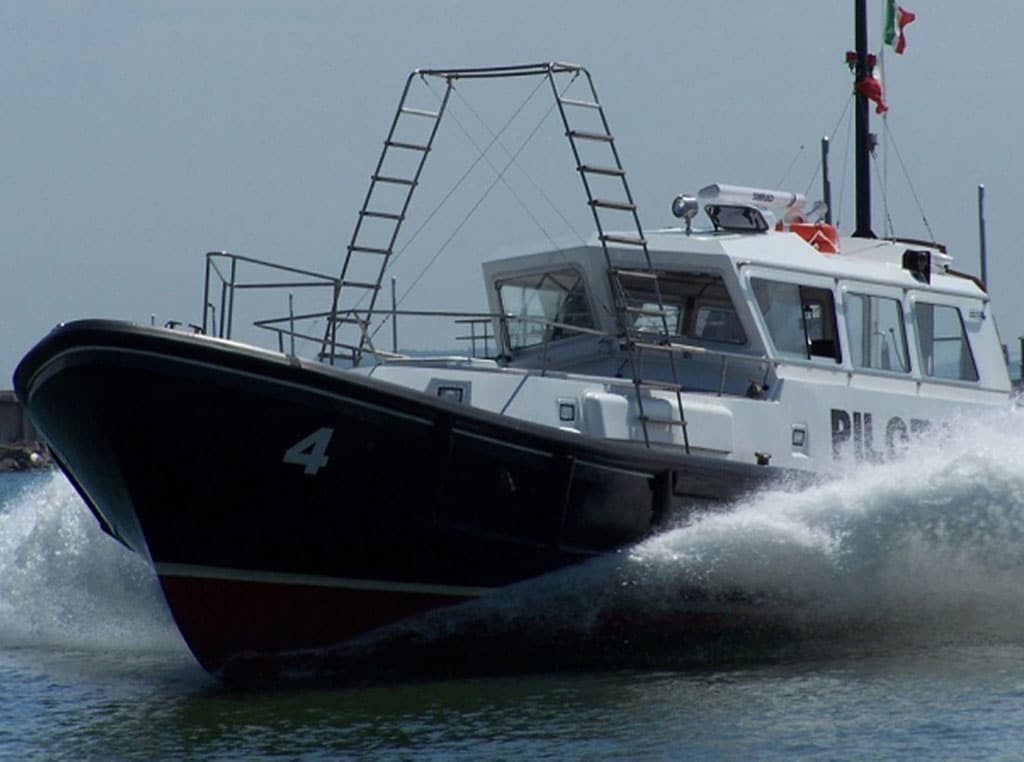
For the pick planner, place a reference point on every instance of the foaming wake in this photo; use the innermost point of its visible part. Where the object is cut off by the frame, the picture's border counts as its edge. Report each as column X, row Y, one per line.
column 929, row 549
column 934, row 542
column 64, row 583
column 931, row 544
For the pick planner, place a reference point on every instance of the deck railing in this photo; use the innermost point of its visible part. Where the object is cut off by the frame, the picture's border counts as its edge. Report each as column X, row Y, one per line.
column 227, row 274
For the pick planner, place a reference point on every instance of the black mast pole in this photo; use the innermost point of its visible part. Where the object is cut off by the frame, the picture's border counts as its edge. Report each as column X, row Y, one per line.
column 863, row 145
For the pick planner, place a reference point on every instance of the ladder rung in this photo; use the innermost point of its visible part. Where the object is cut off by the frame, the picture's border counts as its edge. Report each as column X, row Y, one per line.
column 604, row 137
column 663, row 421
column 604, row 203
column 382, row 215
column 370, row 250
column 395, row 180
column 652, row 311
column 638, row 274
column 359, row 284
column 407, row 146
column 610, row 171
column 575, row 102
column 630, row 240
column 419, row 112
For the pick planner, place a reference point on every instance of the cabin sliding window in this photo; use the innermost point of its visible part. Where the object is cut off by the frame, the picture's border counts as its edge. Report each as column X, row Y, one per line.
column 800, row 319
column 540, row 299
column 696, row 305
column 878, row 339
column 945, row 352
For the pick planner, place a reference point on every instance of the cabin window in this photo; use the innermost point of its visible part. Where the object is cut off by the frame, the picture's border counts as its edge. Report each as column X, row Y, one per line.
column 537, row 301
column 878, row 339
column 801, row 320
column 945, row 352
column 696, row 305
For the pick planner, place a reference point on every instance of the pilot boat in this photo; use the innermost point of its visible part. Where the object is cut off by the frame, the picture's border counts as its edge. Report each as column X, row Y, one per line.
column 613, row 388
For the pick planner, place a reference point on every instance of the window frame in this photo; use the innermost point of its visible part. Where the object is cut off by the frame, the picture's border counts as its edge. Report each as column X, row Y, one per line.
column 848, row 289
column 826, row 286
column 546, row 334
column 936, row 300
column 682, row 310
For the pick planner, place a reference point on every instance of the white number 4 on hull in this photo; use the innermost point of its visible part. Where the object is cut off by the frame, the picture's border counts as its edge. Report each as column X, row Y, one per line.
column 310, row 452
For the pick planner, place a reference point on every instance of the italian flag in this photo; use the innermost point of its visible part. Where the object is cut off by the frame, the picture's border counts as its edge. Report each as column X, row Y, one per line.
column 896, row 17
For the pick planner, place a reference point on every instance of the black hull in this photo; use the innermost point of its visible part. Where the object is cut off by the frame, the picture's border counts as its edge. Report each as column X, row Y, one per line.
column 180, row 445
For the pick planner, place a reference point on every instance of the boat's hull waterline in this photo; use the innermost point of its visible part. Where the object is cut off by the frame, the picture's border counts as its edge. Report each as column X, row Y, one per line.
column 289, row 506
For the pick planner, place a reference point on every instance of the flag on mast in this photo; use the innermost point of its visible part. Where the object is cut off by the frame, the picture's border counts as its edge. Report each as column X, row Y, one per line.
column 896, row 18
column 871, row 89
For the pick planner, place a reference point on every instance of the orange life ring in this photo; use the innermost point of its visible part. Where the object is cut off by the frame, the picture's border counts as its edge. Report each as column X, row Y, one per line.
column 823, row 237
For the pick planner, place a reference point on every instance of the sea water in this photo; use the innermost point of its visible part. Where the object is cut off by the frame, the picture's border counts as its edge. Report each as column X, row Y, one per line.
column 902, row 585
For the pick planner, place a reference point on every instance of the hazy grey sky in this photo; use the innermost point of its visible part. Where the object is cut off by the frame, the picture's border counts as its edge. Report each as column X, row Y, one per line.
column 135, row 136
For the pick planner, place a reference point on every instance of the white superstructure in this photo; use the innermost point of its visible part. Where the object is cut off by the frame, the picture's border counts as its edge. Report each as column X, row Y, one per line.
column 784, row 354
column 762, row 338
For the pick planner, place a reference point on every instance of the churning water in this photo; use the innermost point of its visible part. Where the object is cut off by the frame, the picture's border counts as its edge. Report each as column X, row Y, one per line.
column 899, row 588
column 63, row 583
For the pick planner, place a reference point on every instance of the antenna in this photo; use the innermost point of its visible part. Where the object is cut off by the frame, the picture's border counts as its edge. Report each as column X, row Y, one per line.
column 981, row 236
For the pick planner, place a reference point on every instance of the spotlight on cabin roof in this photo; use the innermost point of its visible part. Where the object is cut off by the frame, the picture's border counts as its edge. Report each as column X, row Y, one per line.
column 685, row 207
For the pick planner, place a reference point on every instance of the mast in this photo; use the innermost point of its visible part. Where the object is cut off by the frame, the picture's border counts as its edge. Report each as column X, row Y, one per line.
column 826, row 184
column 864, row 140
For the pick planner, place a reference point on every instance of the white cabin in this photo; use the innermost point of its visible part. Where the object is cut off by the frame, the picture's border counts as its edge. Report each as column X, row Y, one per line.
column 783, row 354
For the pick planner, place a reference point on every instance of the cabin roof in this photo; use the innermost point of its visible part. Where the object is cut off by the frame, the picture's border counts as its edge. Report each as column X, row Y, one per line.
column 873, row 260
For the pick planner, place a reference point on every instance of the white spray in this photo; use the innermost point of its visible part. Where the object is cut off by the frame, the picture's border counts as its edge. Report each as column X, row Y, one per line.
column 64, row 583
column 932, row 545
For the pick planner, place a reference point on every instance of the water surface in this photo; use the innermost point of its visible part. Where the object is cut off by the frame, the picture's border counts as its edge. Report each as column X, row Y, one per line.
column 904, row 583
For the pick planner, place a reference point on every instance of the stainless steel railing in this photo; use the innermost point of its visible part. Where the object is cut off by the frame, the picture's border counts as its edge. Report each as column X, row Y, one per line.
column 487, row 334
